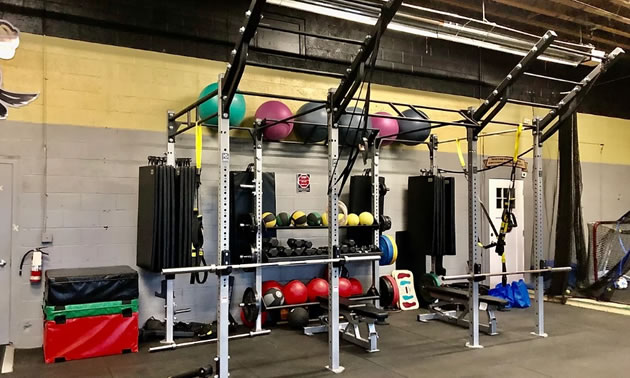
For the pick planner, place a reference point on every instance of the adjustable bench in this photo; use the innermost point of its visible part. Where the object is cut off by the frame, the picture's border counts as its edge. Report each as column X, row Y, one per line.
column 450, row 301
column 355, row 310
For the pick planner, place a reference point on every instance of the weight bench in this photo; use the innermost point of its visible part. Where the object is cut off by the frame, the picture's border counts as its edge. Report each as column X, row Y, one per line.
column 356, row 311
column 451, row 300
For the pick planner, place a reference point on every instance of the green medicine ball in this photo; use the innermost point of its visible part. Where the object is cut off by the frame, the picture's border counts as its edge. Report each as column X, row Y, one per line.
column 314, row 219
column 282, row 219
column 298, row 218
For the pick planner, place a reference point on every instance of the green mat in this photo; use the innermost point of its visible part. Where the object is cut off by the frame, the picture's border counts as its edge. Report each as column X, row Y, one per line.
column 59, row 313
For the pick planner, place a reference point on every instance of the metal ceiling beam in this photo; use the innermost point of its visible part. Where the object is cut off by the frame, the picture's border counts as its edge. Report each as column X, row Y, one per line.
column 592, row 9
column 350, row 84
column 535, row 6
column 569, row 104
column 528, row 19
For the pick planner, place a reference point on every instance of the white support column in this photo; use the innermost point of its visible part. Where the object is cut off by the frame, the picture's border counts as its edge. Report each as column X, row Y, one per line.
column 376, row 210
column 258, row 195
column 333, row 242
column 170, row 280
column 473, row 237
column 223, row 222
column 537, row 177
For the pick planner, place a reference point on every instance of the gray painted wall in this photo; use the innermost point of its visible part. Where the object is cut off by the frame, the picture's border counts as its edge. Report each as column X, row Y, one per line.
column 84, row 187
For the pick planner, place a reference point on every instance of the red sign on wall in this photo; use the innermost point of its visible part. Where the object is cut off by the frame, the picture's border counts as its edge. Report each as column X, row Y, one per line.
column 303, row 182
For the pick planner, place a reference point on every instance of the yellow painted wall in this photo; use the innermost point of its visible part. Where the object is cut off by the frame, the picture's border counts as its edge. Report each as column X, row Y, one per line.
column 88, row 84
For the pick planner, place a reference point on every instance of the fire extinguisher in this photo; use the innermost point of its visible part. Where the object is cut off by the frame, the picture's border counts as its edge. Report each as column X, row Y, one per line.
column 36, row 264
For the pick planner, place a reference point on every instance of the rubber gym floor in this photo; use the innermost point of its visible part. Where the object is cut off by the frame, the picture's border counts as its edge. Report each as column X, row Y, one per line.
column 581, row 343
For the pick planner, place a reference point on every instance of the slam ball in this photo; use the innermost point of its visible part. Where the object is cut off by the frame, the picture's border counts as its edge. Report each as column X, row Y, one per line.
column 298, row 317
column 272, row 111
column 208, row 108
column 273, row 297
column 355, row 287
column 345, row 287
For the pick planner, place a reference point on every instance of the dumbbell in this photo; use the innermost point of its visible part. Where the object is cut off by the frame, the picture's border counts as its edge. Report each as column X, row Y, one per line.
column 298, row 251
column 284, row 252
column 311, row 251
column 351, row 243
column 272, row 252
column 295, row 243
column 308, row 244
column 344, row 249
column 269, row 242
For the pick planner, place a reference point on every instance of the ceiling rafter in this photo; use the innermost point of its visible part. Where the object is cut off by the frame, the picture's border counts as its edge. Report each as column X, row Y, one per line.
column 536, row 7
column 592, row 9
column 526, row 20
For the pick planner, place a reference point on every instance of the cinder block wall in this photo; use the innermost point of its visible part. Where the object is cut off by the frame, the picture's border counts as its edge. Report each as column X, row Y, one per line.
column 101, row 112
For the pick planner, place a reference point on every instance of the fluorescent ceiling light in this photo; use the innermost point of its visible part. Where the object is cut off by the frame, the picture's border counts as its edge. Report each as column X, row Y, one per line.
column 446, row 26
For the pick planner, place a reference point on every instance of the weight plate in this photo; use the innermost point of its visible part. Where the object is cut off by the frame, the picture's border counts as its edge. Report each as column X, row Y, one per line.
column 387, row 291
column 396, row 296
column 250, row 306
column 427, row 280
column 386, row 249
column 395, row 254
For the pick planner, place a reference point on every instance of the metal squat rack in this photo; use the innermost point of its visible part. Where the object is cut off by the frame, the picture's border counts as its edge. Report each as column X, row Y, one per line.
column 337, row 101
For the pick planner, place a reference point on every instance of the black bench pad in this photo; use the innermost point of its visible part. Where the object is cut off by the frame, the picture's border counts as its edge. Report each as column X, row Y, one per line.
column 462, row 295
column 360, row 308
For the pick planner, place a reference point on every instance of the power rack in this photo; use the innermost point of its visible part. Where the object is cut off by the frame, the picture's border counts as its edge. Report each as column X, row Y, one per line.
column 474, row 120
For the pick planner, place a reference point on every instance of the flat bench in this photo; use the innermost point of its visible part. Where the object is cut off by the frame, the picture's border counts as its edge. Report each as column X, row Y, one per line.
column 452, row 307
column 356, row 311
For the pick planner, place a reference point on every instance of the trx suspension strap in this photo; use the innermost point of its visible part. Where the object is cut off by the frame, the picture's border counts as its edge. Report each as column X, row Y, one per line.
column 197, row 225
column 460, row 154
column 508, row 220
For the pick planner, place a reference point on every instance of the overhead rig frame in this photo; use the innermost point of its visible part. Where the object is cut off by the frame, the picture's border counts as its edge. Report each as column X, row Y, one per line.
column 474, row 120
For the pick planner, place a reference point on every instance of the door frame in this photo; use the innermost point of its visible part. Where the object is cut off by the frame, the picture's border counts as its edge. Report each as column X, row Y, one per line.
column 14, row 162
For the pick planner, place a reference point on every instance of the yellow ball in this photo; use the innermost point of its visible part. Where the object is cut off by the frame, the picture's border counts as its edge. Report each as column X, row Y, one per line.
column 340, row 217
column 353, row 219
column 366, row 219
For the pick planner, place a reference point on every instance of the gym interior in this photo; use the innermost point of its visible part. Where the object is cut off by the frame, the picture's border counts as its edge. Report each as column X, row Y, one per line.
column 288, row 188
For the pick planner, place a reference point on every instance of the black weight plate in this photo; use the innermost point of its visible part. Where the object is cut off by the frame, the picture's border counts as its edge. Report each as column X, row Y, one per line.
column 427, row 280
column 387, row 291
column 250, row 308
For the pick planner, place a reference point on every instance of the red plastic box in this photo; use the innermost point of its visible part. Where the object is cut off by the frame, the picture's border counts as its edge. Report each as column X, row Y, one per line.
column 90, row 336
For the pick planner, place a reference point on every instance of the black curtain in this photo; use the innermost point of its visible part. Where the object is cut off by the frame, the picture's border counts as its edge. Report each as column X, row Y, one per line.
column 570, row 244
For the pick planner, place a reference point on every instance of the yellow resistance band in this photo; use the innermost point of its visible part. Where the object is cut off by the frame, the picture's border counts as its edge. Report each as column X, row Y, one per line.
column 519, row 130
column 198, row 145
column 460, row 154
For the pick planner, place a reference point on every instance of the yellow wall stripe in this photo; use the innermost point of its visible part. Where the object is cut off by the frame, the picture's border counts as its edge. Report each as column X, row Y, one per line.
column 89, row 84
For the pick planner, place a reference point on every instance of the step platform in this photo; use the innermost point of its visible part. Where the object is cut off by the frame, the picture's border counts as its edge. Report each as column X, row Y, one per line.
column 90, row 285
column 90, row 336
column 60, row 314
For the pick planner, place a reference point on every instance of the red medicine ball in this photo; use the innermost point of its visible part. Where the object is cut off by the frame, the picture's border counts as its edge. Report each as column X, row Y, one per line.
column 269, row 284
column 318, row 287
column 345, row 287
column 295, row 292
column 356, row 287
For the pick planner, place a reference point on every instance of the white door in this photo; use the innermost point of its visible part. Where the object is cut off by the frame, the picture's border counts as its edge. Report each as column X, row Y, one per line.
column 514, row 241
column 6, row 204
